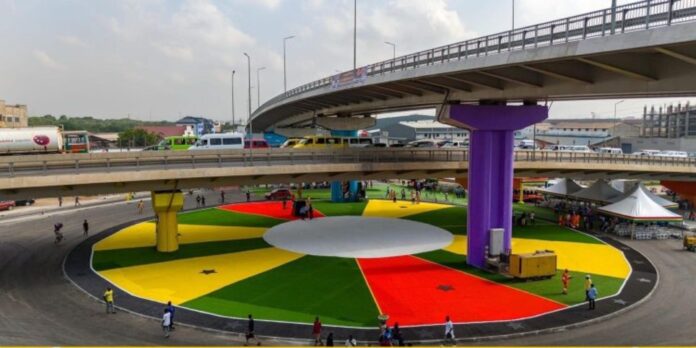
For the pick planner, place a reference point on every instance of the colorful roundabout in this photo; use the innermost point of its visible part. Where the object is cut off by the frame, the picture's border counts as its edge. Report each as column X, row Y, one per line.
column 351, row 263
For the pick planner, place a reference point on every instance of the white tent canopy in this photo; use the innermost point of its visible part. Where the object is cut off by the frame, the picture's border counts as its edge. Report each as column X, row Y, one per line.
column 600, row 191
column 639, row 206
column 564, row 187
column 624, row 185
column 657, row 199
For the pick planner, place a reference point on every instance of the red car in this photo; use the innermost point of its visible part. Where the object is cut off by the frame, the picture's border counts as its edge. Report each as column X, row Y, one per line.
column 7, row 205
column 280, row 194
column 257, row 144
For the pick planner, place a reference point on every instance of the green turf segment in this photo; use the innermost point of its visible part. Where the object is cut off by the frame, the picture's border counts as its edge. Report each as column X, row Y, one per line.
column 332, row 288
column 539, row 212
column 552, row 233
column 548, row 288
column 108, row 259
column 339, row 209
column 220, row 217
column 451, row 219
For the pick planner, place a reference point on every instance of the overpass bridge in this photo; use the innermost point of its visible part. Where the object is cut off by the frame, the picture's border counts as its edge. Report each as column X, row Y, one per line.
column 642, row 49
column 99, row 173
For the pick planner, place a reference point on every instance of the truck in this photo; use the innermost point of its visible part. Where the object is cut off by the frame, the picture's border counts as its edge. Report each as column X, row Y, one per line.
column 42, row 140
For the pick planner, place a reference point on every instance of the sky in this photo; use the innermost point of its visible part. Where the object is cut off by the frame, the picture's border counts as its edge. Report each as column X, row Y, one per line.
column 163, row 59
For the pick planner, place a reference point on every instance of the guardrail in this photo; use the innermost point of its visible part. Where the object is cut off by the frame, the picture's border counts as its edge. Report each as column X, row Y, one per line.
column 72, row 164
column 642, row 15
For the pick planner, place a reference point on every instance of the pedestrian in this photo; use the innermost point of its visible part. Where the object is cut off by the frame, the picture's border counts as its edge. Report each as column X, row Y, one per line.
column 60, row 201
column 171, row 310
column 285, row 202
column 166, row 322
column 403, row 194
column 316, row 332
column 329, row 340
column 141, row 206
column 532, row 218
column 396, row 335
column 588, row 286
column 222, row 196
column 85, row 228
column 250, row 331
column 565, row 279
column 56, row 231
column 109, row 299
column 393, row 196
column 248, row 196
column 77, row 201
column 310, row 209
column 592, row 296
column 449, row 331
column 351, row 342
column 203, row 201
column 198, row 201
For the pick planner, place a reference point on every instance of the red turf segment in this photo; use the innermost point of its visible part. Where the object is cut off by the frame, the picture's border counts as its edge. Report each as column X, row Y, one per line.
column 272, row 209
column 416, row 292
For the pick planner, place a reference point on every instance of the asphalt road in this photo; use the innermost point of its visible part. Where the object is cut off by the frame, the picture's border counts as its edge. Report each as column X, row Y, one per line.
column 38, row 306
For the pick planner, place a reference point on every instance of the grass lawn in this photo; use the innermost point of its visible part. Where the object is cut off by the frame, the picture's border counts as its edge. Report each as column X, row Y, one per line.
column 549, row 288
column 451, row 219
column 540, row 212
column 107, row 259
column 219, row 217
column 338, row 209
column 332, row 288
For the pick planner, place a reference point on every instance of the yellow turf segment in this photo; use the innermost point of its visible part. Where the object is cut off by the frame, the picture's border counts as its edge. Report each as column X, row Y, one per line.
column 599, row 259
column 183, row 280
column 389, row 209
column 143, row 235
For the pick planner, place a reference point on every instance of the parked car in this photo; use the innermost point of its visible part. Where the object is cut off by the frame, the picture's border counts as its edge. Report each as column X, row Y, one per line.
column 257, row 143
column 24, row 202
column 7, row 205
column 280, row 194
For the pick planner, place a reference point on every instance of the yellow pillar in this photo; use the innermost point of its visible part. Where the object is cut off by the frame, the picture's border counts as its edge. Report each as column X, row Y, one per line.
column 521, row 195
column 166, row 205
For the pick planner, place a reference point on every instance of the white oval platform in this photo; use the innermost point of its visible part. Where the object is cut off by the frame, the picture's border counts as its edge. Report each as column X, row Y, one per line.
column 357, row 237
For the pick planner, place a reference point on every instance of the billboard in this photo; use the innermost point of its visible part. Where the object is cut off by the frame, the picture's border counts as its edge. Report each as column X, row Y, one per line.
column 349, row 78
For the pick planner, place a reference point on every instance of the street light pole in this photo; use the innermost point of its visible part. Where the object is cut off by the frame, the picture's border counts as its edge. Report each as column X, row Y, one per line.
column 393, row 45
column 513, row 14
column 355, row 34
column 251, row 130
column 233, row 121
column 615, row 104
column 258, row 86
column 285, row 76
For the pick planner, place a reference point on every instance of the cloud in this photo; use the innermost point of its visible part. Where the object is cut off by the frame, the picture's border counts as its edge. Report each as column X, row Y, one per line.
column 204, row 21
column 46, row 60
column 71, row 40
column 269, row 4
column 175, row 51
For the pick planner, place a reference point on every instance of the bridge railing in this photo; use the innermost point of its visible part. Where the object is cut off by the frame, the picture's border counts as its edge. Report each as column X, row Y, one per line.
column 72, row 164
column 636, row 16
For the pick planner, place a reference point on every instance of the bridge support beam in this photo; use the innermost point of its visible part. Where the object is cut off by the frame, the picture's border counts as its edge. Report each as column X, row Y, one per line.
column 491, row 159
column 166, row 205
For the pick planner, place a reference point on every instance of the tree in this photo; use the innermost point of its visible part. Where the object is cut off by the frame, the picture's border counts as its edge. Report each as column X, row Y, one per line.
column 137, row 137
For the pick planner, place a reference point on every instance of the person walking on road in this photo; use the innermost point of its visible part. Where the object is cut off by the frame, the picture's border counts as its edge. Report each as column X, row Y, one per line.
column 171, row 310
column 109, row 299
column 56, row 231
column 60, row 201
column 77, row 201
column 592, row 296
column 565, row 279
column 316, row 332
column 141, row 206
column 588, row 286
column 250, row 331
column 166, row 322
column 449, row 331
column 85, row 228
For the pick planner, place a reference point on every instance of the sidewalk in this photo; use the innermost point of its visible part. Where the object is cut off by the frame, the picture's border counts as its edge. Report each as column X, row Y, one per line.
column 42, row 206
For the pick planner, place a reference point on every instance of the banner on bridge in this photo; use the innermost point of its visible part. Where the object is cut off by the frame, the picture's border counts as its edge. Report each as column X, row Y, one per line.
column 349, row 78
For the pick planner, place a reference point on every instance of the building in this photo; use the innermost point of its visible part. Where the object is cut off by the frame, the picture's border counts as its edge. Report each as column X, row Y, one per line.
column 13, row 116
column 165, row 131
column 199, row 125
column 589, row 131
column 425, row 129
column 665, row 128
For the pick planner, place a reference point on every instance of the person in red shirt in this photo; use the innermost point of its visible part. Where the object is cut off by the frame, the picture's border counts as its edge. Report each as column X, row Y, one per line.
column 566, row 281
column 316, row 332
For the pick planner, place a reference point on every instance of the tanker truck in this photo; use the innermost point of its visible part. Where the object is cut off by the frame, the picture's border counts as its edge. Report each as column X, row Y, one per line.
column 42, row 140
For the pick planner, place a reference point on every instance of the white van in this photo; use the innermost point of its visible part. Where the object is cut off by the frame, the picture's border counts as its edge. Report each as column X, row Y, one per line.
column 358, row 142
column 579, row 148
column 670, row 153
column 647, row 153
column 222, row 141
column 610, row 151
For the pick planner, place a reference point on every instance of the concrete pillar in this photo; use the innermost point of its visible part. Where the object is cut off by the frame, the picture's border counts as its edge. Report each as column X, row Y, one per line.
column 491, row 168
column 166, row 205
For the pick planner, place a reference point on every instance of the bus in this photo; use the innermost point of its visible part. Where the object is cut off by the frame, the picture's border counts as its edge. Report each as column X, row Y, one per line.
column 177, row 143
column 76, row 141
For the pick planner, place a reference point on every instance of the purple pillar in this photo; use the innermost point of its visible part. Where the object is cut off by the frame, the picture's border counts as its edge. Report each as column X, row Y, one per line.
column 491, row 150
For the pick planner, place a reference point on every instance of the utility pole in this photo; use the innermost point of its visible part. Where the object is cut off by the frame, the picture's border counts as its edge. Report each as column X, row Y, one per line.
column 355, row 34
column 233, row 121
column 251, row 130
column 285, row 76
column 258, row 86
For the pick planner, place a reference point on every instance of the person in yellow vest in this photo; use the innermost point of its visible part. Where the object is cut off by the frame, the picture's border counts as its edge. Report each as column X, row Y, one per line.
column 109, row 299
column 588, row 285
